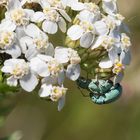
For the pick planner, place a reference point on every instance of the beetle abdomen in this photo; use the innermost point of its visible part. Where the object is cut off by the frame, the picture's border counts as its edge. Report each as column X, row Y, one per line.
column 108, row 97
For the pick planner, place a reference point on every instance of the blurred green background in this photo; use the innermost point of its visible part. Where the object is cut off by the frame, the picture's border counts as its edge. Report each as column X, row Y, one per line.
column 80, row 118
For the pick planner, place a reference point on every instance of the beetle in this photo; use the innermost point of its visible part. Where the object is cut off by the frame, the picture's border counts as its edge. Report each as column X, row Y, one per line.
column 100, row 91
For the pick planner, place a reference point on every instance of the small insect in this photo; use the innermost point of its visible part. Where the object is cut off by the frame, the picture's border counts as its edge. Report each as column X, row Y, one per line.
column 101, row 91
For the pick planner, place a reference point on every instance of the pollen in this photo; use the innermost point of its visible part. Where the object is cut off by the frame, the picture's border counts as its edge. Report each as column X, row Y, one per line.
column 118, row 67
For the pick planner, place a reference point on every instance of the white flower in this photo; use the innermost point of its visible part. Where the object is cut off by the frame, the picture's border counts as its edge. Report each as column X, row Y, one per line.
column 118, row 68
column 68, row 55
column 86, row 29
column 20, row 71
column 51, row 17
column 48, row 67
column 51, row 20
column 110, row 22
column 36, row 42
column 65, row 55
column 8, row 40
column 105, row 63
column 55, row 93
column 113, row 21
column 17, row 15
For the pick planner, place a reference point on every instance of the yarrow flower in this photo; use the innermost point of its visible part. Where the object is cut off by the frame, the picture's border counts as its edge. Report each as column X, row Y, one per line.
column 44, row 43
column 20, row 71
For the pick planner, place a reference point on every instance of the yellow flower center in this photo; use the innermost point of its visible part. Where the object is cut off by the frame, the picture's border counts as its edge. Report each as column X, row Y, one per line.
column 110, row 23
column 57, row 93
column 92, row 7
column 41, row 44
column 19, row 17
column 20, row 70
column 74, row 57
column 56, row 3
column 6, row 39
column 51, row 15
column 54, row 67
column 108, row 42
column 87, row 27
column 118, row 67
column 125, row 40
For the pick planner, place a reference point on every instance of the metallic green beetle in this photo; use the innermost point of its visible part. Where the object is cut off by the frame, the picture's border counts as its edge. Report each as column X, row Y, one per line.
column 101, row 91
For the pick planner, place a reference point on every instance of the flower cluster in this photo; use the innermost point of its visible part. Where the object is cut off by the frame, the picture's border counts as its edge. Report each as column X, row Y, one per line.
column 41, row 43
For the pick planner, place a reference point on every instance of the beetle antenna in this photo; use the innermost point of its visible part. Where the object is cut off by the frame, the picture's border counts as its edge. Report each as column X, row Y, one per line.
column 82, row 92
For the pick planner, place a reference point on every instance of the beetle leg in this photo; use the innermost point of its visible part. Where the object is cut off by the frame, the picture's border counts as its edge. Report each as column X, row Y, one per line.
column 97, row 99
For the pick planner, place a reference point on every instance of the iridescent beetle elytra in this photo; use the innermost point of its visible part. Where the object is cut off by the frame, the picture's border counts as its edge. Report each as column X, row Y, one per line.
column 101, row 91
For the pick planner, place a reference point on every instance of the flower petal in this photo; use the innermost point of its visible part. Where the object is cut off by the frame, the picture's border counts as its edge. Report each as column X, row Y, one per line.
column 14, row 51
column 50, row 50
column 38, row 17
column 11, row 81
column 61, row 103
column 75, row 32
column 125, row 57
column 61, row 77
column 98, row 42
column 29, row 82
column 86, row 40
column 45, row 90
column 7, row 25
column 77, row 6
column 65, row 15
column 32, row 30
column 73, row 72
column 106, row 63
column 31, row 53
column 6, row 69
column 118, row 78
column 113, row 54
column 109, row 6
column 39, row 66
column 86, row 15
column 49, row 27
column 61, row 54
column 101, row 28
column 62, row 25
column 25, row 42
